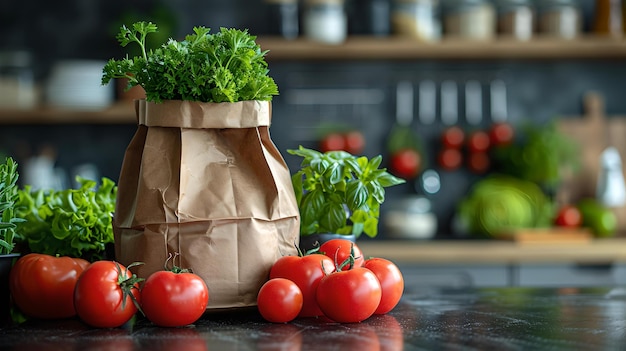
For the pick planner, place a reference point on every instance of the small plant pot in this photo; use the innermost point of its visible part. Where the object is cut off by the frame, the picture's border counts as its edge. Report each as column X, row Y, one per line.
column 6, row 263
column 308, row 242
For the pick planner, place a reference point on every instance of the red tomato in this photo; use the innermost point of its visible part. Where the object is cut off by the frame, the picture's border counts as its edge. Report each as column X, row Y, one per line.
column 103, row 295
column 306, row 272
column 478, row 141
column 450, row 159
column 354, row 142
column 453, row 137
column 569, row 216
column 349, row 296
column 391, row 282
column 406, row 163
column 42, row 286
column 332, row 142
column 279, row 300
column 501, row 133
column 170, row 299
column 339, row 250
column 478, row 162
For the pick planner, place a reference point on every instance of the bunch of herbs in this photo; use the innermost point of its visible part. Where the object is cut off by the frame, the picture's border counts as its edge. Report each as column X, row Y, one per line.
column 68, row 222
column 227, row 66
column 8, row 197
column 340, row 193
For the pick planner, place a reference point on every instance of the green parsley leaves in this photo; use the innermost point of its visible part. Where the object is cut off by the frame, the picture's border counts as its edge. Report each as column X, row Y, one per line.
column 227, row 66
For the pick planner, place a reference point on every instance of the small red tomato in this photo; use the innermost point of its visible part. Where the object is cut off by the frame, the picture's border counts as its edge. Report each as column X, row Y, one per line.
column 478, row 162
column 453, row 137
column 478, row 141
column 406, row 163
column 103, row 295
column 306, row 272
column 349, row 296
column 332, row 142
column 279, row 300
column 391, row 282
column 340, row 249
column 501, row 133
column 354, row 142
column 569, row 216
column 42, row 286
column 170, row 299
column 450, row 159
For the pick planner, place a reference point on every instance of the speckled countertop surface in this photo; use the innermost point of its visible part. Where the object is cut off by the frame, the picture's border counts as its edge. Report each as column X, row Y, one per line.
column 452, row 319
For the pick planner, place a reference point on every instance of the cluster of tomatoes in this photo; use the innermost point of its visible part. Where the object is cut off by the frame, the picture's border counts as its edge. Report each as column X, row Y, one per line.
column 352, row 142
column 477, row 144
column 334, row 282
column 104, row 294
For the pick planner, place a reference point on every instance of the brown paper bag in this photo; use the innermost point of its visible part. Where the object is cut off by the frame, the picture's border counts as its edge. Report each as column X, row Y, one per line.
column 205, row 181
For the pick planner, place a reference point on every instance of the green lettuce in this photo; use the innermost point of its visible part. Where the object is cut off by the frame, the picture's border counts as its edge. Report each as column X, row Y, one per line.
column 70, row 222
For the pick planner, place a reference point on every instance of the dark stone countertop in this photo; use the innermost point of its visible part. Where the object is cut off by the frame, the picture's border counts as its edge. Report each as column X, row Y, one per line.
column 437, row 319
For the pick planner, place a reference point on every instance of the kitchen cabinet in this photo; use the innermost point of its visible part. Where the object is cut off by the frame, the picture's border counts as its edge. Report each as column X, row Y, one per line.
column 482, row 263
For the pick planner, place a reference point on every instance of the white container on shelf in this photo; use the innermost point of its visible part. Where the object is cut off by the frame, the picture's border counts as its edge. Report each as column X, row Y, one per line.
column 470, row 19
column 419, row 19
column 560, row 19
column 325, row 21
column 77, row 84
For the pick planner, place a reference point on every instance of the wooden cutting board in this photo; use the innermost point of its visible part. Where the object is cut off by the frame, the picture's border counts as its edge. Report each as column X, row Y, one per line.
column 594, row 131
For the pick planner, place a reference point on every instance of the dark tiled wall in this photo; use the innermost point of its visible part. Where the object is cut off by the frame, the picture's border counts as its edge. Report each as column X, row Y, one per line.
column 537, row 90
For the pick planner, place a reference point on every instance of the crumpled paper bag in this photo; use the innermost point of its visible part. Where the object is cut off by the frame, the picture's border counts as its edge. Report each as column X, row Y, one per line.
column 205, row 181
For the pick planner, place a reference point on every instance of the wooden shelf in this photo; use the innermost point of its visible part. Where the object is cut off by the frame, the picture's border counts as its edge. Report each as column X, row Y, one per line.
column 360, row 48
column 496, row 251
column 119, row 113
column 402, row 48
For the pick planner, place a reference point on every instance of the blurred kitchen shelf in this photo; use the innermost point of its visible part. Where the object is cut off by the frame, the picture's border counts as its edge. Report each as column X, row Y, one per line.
column 119, row 113
column 403, row 48
column 496, row 251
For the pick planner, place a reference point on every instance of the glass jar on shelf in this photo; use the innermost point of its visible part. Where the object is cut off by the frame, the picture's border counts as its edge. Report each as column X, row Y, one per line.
column 560, row 19
column 470, row 19
column 17, row 83
column 325, row 21
column 516, row 19
column 419, row 19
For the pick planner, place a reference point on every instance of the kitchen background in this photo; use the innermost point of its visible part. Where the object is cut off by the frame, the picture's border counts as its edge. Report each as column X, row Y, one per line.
column 41, row 38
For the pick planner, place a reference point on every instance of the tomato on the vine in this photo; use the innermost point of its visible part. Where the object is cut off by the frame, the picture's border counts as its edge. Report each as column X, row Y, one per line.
column 569, row 216
column 453, row 137
column 391, row 282
column 306, row 272
column 174, row 298
column 106, row 294
column 450, row 159
column 42, row 286
column 501, row 133
column 478, row 162
column 340, row 249
column 279, row 300
column 332, row 142
column 349, row 296
column 406, row 163
column 478, row 141
column 354, row 142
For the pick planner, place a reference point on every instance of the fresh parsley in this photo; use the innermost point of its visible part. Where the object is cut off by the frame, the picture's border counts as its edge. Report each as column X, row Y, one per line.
column 227, row 66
